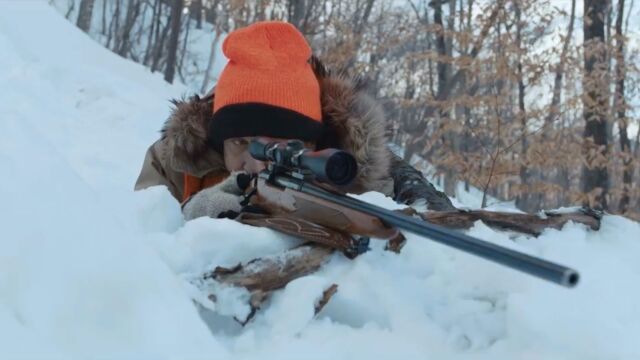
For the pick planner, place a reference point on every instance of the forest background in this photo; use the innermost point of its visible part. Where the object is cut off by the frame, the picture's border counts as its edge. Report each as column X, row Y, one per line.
column 531, row 101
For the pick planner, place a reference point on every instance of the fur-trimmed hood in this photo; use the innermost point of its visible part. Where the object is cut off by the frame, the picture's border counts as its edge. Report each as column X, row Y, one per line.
column 354, row 122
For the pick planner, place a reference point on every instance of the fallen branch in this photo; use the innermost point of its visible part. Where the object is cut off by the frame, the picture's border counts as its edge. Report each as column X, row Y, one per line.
column 524, row 223
column 255, row 302
column 261, row 276
column 273, row 272
column 326, row 296
column 396, row 243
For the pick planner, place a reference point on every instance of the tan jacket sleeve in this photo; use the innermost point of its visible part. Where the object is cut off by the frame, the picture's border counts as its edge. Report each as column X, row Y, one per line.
column 156, row 172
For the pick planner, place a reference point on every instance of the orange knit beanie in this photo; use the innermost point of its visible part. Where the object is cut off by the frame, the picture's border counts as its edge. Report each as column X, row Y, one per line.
column 268, row 87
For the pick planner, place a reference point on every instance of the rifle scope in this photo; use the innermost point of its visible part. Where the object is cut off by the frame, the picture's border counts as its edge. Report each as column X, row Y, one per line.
column 332, row 166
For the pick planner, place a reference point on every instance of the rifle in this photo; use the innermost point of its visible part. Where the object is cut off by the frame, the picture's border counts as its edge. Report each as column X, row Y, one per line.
column 300, row 191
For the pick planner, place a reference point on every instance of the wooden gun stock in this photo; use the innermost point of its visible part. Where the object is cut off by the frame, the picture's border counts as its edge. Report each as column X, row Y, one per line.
column 314, row 219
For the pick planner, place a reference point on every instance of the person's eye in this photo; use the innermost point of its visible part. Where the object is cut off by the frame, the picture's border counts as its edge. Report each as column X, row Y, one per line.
column 239, row 142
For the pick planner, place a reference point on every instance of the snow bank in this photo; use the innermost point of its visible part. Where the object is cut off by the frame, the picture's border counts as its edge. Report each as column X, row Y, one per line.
column 75, row 281
column 90, row 269
column 433, row 301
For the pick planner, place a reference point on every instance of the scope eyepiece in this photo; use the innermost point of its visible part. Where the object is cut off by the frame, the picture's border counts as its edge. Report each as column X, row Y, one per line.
column 332, row 166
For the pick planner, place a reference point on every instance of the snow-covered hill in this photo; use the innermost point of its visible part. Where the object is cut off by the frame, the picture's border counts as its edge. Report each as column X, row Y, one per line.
column 76, row 279
column 90, row 269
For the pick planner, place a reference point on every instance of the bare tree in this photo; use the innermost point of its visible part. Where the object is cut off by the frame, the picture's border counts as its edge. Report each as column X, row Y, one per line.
column 523, row 201
column 84, row 15
column 123, row 46
column 620, row 106
column 103, row 30
column 296, row 10
column 160, row 43
column 70, row 8
column 557, row 84
column 454, row 81
column 153, row 31
column 114, row 24
column 172, row 49
column 183, row 51
column 595, row 174
column 196, row 12
column 442, row 70
column 212, row 58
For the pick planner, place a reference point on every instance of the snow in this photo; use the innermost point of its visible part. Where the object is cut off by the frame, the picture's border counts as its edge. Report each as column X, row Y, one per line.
column 74, row 276
column 88, row 268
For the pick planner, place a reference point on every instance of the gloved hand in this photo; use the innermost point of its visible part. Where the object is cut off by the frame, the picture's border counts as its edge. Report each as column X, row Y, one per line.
column 223, row 197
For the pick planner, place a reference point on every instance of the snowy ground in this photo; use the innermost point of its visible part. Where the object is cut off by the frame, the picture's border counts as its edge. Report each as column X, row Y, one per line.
column 90, row 269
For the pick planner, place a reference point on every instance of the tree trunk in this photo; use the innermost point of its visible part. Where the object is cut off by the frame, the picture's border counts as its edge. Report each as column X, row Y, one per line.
column 104, row 17
column 172, row 50
column 419, row 140
column 466, row 139
column 442, row 66
column 159, row 45
column 196, row 10
column 133, row 10
column 183, row 51
column 296, row 13
column 358, row 29
column 84, row 15
column 636, row 150
column 212, row 58
column 525, row 196
column 620, row 105
column 117, row 34
column 114, row 25
column 595, row 175
column 154, row 30
column 72, row 6
column 443, row 69
column 210, row 13
column 554, row 106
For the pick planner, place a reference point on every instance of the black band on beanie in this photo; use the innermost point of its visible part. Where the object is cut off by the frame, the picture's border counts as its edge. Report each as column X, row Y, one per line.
column 258, row 119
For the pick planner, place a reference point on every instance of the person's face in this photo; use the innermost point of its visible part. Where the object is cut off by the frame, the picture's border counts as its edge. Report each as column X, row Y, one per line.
column 238, row 158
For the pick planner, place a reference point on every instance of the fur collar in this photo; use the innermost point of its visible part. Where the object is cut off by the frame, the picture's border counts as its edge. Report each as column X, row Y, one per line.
column 355, row 123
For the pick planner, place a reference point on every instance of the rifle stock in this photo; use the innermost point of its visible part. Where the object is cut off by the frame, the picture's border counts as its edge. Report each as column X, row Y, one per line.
column 286, row 201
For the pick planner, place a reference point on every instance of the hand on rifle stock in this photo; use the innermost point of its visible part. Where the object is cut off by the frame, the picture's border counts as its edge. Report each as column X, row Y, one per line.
column 220, row 200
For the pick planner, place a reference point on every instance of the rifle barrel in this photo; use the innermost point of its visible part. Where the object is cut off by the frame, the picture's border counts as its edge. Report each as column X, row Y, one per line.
column 531, row 265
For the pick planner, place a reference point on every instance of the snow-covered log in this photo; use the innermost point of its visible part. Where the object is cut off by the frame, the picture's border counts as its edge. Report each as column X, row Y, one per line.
column 533, row 224
column 273, row 272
